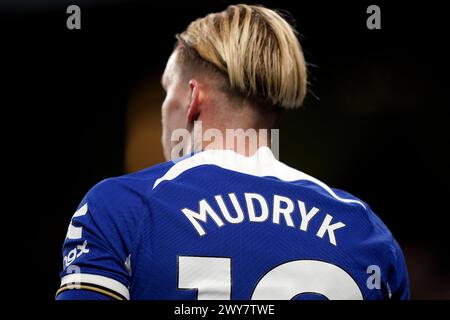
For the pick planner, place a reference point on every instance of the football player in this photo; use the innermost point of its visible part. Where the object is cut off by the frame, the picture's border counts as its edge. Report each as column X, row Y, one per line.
column 222, row 221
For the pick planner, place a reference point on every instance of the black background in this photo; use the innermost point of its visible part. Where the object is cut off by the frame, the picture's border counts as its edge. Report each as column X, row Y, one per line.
column 375, row 123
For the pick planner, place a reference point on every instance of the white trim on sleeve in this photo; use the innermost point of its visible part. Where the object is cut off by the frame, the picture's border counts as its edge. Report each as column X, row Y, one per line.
column 102, row 281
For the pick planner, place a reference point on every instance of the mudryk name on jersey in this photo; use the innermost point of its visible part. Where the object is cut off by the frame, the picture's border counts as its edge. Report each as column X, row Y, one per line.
column 281, row 212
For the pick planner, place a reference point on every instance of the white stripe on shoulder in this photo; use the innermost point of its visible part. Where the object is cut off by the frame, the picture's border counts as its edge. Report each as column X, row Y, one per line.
column 106, row 282
column 261, row 164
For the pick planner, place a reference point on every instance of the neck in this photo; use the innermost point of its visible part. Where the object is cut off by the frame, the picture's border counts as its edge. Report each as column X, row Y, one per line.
column 243, row 129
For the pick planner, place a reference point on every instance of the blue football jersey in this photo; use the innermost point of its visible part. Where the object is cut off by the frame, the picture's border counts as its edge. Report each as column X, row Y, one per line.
column 219, row 225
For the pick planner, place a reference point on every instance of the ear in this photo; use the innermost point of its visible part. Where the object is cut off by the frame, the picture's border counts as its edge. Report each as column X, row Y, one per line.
column 194, row 104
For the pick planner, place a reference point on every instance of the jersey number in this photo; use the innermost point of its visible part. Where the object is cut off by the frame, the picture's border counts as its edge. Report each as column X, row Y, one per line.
column 211, row 277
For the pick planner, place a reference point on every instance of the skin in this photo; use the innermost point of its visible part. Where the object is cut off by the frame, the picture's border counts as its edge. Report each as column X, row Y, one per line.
column 197, row 97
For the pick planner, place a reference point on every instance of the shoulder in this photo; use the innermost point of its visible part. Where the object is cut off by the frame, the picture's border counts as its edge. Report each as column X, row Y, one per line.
column 349, row 208
column 124, row 197
column 133, row 187
column 376, row 230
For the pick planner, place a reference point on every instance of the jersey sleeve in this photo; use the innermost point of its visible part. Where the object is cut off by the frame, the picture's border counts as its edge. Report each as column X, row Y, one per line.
column 398, row 275
column 395, row 270
column 97, row 251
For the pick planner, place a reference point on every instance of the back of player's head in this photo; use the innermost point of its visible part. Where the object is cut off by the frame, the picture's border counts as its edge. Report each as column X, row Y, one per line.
column 254, row 49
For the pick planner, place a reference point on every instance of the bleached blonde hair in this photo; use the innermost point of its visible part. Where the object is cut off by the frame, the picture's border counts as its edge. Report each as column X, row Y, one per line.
column 255, row 48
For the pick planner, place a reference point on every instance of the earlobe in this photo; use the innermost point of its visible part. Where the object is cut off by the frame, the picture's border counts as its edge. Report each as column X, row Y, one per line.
column 193, row 109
